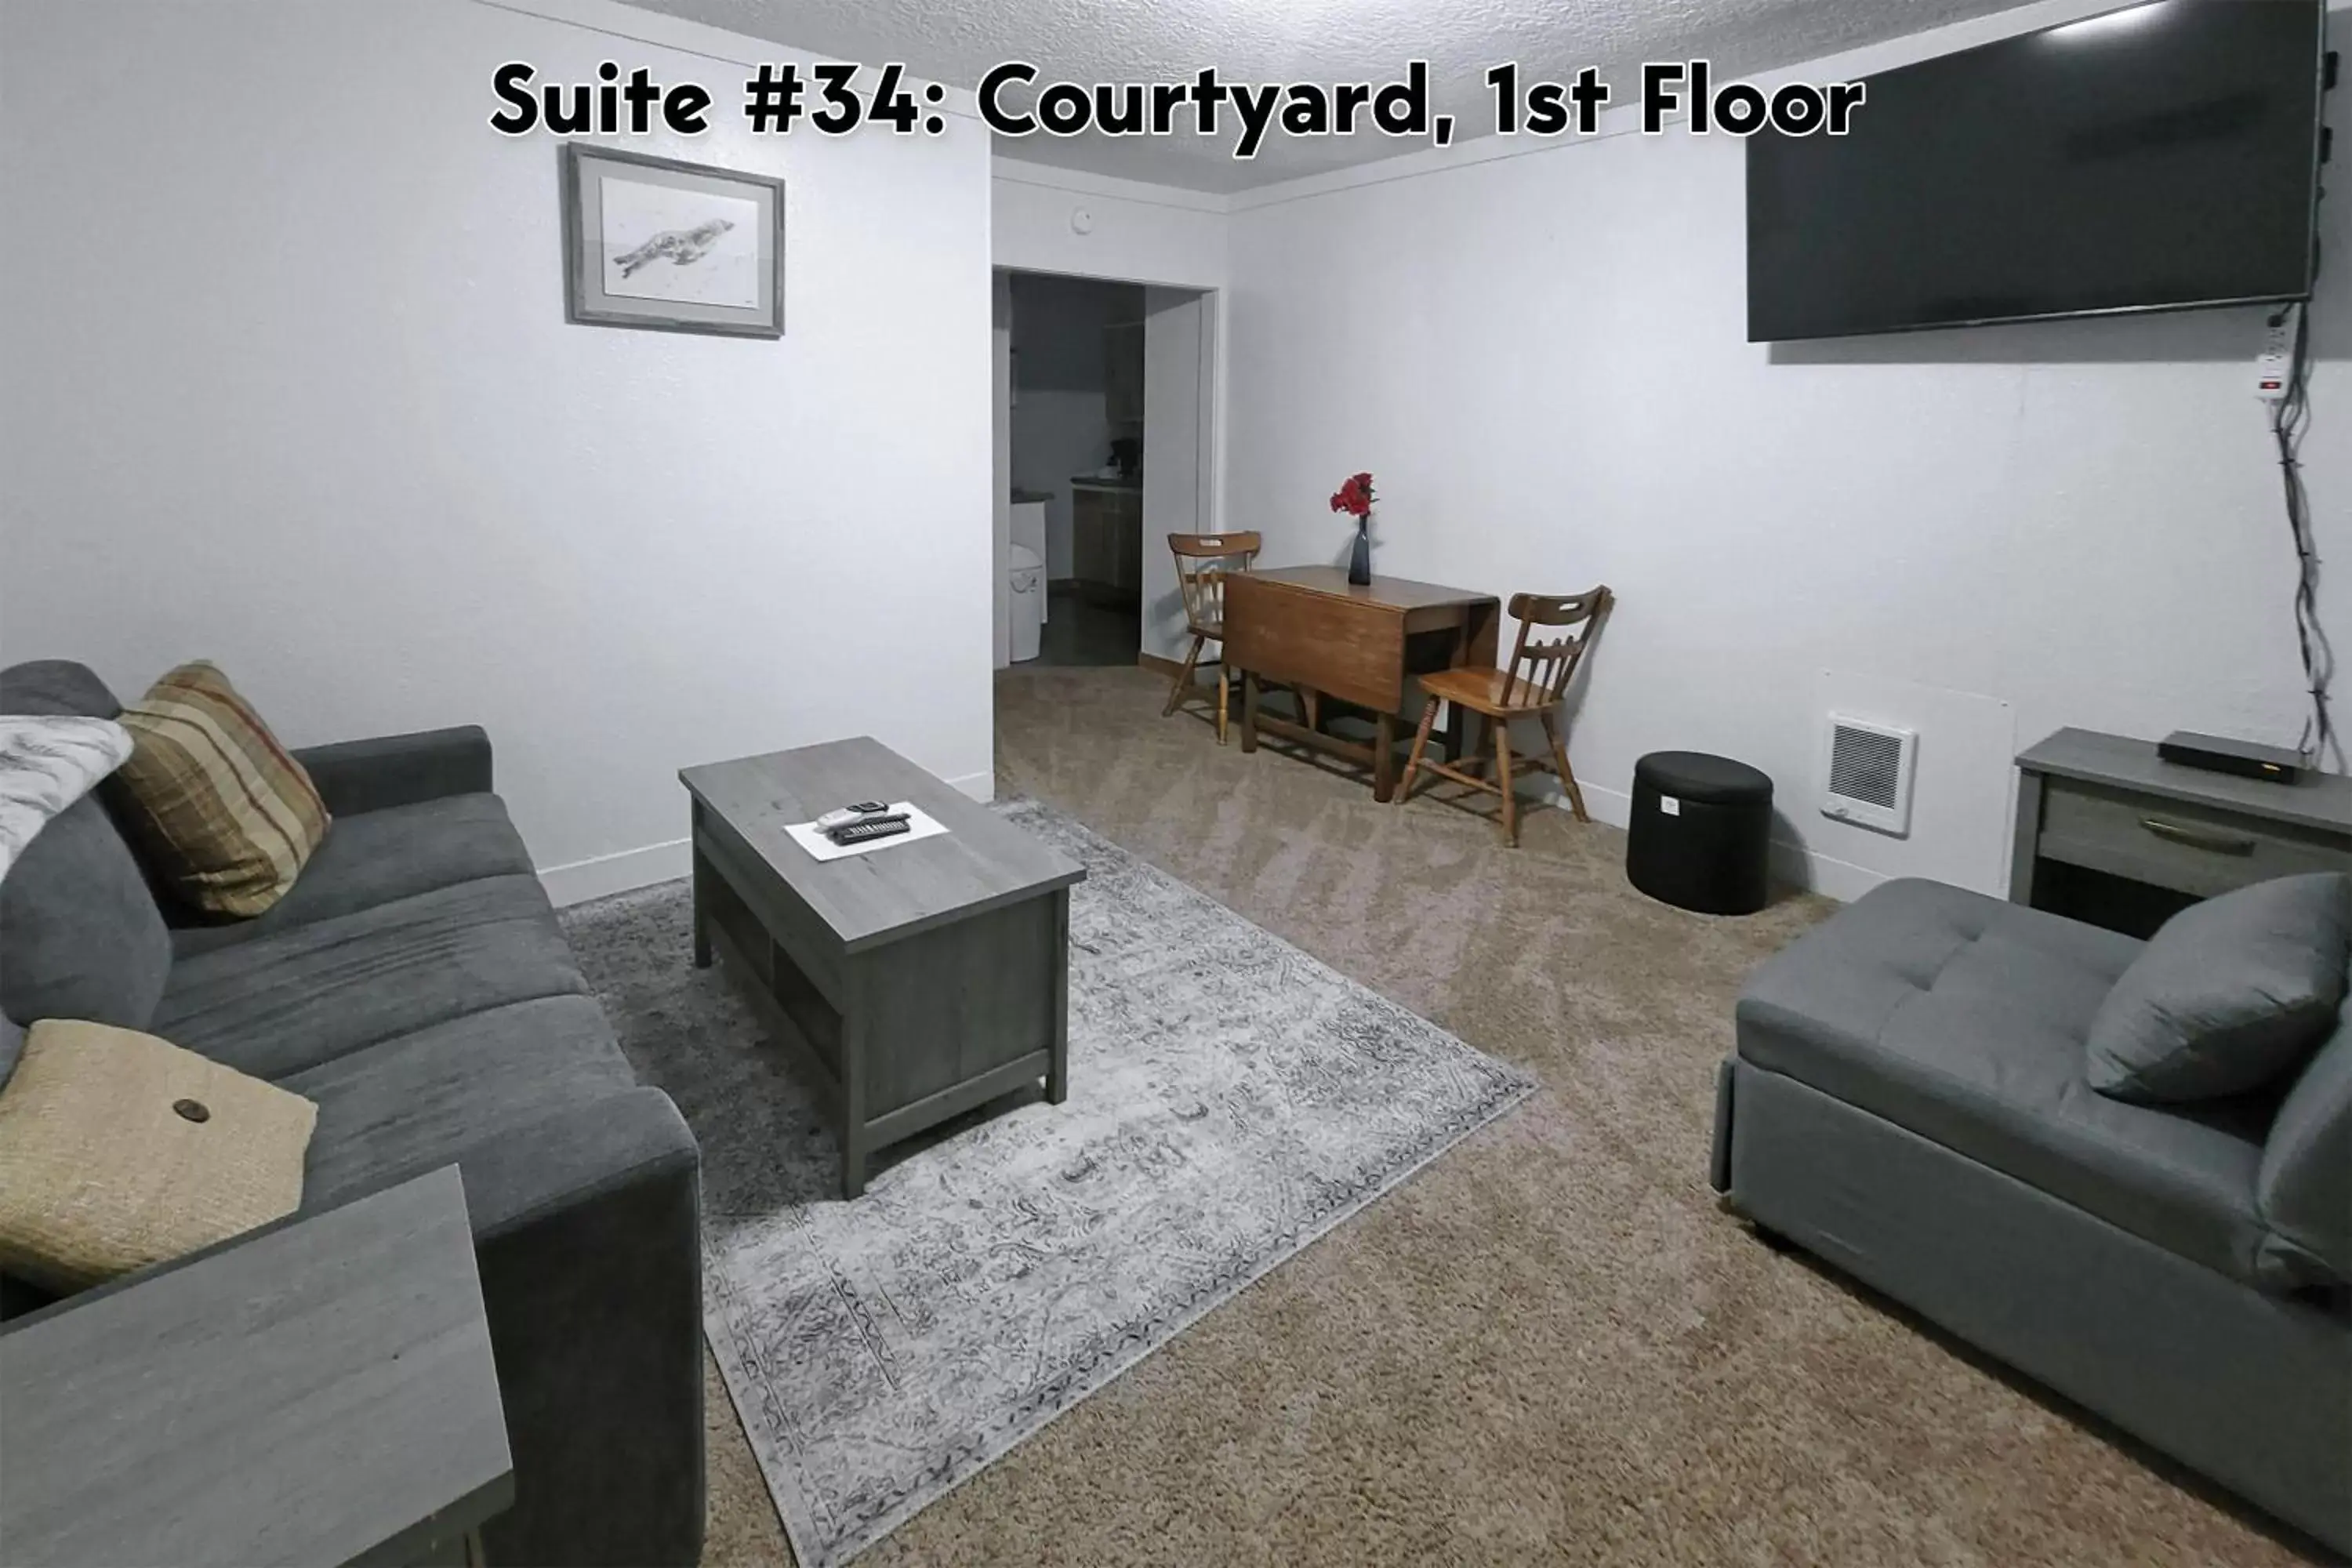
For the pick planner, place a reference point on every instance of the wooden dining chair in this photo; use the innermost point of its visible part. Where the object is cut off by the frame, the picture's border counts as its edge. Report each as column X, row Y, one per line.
column 1203, row 562
column 1530, row 688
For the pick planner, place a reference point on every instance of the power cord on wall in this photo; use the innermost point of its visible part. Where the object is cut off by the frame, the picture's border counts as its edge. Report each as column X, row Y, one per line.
column 2290, row 418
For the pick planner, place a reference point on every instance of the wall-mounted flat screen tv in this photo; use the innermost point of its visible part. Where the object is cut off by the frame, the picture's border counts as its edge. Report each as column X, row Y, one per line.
column 2159, row 157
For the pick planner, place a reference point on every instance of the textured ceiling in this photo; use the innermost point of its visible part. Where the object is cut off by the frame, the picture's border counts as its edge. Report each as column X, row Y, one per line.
column 1325, row 41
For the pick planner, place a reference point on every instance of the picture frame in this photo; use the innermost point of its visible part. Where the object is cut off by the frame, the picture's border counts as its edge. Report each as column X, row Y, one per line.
column 668, row 246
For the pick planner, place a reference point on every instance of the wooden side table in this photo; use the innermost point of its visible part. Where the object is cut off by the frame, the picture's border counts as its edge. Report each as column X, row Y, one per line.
column 2109, row 832
column 323, row 1394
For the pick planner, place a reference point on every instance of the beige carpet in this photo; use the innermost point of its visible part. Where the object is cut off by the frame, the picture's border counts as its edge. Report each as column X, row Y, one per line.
column 1550, row 1346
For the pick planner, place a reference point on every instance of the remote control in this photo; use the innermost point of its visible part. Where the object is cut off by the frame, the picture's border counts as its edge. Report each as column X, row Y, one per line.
column 842, row 816
column 872, row 827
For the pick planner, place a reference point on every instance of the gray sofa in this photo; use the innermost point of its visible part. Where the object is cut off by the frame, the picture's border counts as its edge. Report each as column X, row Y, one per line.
column 1908, row 1100
column 414, row 985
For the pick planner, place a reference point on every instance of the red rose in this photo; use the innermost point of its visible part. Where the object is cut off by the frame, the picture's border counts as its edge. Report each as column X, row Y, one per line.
column 1354, row 496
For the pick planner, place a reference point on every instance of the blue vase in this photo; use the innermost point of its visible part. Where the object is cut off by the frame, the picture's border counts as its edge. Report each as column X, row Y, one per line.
column 1359, row 560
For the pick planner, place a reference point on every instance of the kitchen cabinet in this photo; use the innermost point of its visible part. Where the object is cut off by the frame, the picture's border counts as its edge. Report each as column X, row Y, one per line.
column 1106, row 540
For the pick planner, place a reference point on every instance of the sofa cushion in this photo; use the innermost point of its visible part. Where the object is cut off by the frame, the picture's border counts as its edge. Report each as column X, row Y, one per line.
column 379, row 856
column 1962, row 1019
column 2304, row 1191
column 401, row 1108
column 2231, row 994
column 279, row 1004
column 81, row 933
column 56, row 686
column 225, row 817
column 78, row 922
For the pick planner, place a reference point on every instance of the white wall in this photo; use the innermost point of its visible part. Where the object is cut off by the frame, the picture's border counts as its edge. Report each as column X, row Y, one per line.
column 1001, row 480
column 1177, row 373
column 298, row 395
column 1132, row 230
column 1541, row 356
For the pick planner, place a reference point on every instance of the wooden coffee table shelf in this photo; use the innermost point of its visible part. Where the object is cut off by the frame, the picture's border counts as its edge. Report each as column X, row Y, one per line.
column 915, row 981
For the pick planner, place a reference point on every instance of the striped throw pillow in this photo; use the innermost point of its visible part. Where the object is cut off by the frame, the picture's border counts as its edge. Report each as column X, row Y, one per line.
column 227, row 817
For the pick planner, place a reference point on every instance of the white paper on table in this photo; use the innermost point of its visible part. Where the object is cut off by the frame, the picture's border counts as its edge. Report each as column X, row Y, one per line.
column 920, row 824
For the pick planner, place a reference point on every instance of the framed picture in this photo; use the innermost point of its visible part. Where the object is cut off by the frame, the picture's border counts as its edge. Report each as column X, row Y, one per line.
column 676, row 247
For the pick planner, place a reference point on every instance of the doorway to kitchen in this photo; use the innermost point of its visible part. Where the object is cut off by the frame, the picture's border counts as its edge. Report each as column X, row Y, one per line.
column 1078, row 444
column 1101, row 438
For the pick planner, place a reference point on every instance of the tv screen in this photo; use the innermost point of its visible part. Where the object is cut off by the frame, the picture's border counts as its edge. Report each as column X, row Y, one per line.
column 2153, row 158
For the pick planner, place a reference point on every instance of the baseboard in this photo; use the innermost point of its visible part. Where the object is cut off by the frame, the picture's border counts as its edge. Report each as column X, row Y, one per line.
column 1170, row 667
column 606, row 874
column 1612, row 806
column 1824, row 874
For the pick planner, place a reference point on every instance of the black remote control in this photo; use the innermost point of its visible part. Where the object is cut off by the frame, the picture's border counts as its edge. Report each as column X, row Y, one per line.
column 872, row 827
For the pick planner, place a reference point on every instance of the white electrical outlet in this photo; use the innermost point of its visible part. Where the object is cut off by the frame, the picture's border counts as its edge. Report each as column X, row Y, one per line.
column 2274, row 366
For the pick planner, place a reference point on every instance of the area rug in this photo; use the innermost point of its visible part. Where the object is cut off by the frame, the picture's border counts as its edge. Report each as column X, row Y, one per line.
column 1231, row 1099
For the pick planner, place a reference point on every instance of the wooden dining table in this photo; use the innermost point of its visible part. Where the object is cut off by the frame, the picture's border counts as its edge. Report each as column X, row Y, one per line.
column 1311, row 629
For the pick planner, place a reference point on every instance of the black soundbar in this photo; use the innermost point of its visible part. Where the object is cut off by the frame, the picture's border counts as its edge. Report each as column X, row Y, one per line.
column 2216, row 754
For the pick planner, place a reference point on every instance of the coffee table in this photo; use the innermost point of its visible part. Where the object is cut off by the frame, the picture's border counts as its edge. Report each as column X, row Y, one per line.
column 915, row 980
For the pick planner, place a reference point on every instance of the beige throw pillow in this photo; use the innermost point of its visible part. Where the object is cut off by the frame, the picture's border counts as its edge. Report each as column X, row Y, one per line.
column 118, row 1150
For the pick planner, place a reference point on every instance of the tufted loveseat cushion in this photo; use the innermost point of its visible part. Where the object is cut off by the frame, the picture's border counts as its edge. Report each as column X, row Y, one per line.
column 1962, row 1018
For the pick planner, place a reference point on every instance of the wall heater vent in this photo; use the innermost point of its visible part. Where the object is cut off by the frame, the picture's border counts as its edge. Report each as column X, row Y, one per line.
column 1868, row 770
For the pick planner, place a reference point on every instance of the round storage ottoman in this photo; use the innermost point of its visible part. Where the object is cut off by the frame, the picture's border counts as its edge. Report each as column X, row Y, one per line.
column 1701, row 836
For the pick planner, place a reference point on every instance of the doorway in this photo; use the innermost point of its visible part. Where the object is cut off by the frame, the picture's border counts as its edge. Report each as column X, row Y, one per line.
column 1102, row 440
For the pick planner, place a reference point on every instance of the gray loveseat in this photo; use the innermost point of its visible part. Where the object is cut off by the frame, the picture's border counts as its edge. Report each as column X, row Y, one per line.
column 1908, row 1100
column 414, row 985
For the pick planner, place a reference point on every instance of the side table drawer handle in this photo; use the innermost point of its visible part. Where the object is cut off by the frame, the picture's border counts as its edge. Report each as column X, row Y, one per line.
column 2196, row 838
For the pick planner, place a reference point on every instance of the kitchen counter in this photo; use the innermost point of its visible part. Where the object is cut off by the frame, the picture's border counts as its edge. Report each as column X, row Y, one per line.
column 1095, row 482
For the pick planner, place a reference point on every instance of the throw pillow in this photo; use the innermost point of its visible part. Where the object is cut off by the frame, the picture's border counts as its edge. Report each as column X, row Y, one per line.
column 47, row 762
column 226, row 817
column 2228, row 996
column 118, row 1150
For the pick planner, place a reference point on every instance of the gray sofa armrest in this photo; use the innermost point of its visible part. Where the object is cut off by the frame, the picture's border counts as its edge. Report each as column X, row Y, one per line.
column 539, row 1169
column 587, row 1226
column 356, row 776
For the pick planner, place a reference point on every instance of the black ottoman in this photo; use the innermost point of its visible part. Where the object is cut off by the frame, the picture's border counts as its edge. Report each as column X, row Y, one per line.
column 1701, row 833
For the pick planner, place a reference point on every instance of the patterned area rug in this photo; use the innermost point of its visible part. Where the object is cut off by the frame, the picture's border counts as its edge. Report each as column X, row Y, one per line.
column 1231, row 1099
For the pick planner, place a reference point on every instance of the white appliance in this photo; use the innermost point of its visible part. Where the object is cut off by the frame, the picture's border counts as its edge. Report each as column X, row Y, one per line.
column 1028, row 528
column 1025, row 586
column 1866, row 774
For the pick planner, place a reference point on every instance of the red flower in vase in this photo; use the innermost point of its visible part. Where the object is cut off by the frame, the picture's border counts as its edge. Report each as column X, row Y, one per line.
column 1355, row 496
